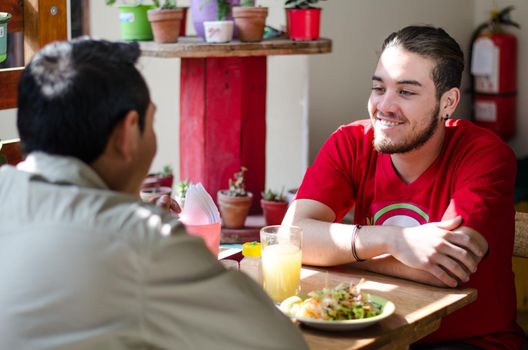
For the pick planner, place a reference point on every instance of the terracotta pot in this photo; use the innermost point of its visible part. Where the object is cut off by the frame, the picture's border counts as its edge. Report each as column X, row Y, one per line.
column 234, row 210
column 273, row 211
column 304, row 24
column 165, row 24
column 250, row 22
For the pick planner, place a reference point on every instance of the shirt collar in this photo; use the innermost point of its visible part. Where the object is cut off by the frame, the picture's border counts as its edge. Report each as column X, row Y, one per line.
column 61, row 170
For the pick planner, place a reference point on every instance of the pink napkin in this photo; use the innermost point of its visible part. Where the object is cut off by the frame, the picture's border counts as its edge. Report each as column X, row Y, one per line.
column 201, row 217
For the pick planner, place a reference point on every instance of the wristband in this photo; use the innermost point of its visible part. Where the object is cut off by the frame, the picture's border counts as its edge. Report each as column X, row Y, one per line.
column 355, row 233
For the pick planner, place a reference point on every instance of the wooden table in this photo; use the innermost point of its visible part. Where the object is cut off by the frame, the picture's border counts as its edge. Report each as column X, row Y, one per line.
column 419, row 309
column 223, row 106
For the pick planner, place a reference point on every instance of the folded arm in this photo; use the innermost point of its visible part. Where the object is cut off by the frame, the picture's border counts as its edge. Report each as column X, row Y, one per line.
column 441, row 253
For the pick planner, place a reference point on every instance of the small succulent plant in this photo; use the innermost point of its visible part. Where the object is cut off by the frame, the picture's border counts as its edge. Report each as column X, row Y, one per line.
column 237, row 185
column 163, row 4
column 166, row 171
column 301, row 4
column 272, row 196
column 247, row 3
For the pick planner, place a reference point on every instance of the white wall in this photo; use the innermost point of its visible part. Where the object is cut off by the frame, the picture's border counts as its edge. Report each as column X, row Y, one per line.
column 519, row 15
column 8, row 128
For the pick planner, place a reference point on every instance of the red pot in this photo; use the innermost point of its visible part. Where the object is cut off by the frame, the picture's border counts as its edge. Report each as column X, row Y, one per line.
column 273, row 211
column 183, row 23
column 166, row 181
column 304, row 24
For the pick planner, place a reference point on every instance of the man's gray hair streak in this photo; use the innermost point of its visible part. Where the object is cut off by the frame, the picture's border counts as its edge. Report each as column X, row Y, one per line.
column 53, row 69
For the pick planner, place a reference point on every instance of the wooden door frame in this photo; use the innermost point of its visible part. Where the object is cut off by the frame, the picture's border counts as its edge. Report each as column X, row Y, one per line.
column 42, row 22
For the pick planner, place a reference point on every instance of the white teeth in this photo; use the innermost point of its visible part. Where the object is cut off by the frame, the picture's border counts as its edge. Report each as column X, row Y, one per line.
column 387, row 122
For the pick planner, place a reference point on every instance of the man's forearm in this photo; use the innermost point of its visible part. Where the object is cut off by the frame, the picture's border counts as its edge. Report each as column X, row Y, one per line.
column 387, row 265
column 325, row 244
column 328, row 244
column 443, row 249
column 334, row 249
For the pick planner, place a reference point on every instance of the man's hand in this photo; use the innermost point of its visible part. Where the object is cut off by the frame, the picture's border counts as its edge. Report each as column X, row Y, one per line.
column 166, row 202
column 163, row 201
column 445, row 249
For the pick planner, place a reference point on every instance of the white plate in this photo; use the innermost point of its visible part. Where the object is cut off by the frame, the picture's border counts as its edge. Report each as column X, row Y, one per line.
column 388, row 309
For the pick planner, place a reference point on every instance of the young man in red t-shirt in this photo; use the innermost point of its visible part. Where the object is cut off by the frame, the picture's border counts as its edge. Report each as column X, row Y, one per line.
column 433, row 197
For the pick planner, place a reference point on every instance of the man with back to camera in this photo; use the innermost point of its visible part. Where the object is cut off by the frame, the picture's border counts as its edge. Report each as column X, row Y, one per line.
column 83, row 263
column 432, row 197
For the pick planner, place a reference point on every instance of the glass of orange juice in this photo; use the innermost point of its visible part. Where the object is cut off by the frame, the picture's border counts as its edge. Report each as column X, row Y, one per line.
column 281, row 260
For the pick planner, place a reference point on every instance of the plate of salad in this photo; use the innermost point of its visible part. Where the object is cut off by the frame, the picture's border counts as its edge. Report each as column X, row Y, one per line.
column 340, row 308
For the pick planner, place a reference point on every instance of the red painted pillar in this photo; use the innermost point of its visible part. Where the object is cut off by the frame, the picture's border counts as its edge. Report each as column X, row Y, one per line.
column 223, row 122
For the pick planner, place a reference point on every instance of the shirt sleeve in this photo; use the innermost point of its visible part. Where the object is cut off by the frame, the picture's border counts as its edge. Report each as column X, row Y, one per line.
column 192, row 302
column 328, row 180
column 484, row 192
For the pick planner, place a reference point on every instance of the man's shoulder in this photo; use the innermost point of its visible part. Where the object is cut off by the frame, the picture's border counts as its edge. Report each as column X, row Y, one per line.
column 357, row 132
column 467, row 140
column 88, row 209
column 469, row 130
column 362, row 126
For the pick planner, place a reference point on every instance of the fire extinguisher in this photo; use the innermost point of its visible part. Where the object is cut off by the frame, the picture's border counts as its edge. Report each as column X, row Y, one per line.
column 493, row 54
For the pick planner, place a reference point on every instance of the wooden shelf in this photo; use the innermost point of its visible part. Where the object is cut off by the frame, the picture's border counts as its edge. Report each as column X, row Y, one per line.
column 195, row 47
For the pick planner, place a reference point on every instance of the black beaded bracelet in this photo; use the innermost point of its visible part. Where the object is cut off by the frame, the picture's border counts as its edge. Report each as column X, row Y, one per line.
column 355, row 233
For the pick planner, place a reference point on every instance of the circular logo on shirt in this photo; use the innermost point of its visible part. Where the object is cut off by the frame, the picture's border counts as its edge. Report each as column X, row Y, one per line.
column 402, row 215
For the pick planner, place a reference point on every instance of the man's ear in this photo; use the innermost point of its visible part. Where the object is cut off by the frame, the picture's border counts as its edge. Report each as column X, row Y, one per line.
column 124, row 136
column 449, row 101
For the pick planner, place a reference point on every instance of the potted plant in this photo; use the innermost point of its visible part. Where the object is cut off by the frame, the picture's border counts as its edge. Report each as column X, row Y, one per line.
column 303, row 19
column 250, row 20
column 181, row 191
column 207, row 10
column 165, row 20
column 274, row 206
column 164, row 178
column 235, row 202
column 133, row 20
column 221, row 30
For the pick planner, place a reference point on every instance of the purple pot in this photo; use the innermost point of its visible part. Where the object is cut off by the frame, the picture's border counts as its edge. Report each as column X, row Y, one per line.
column 205, row 10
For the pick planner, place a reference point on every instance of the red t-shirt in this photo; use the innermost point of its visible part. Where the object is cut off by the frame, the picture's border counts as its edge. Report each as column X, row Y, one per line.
column 473, row 176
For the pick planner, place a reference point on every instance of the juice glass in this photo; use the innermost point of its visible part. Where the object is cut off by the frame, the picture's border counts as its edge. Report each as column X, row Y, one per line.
column 281, row 260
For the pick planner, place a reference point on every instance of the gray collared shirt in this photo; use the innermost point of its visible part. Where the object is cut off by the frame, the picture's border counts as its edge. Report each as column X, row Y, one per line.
column 84, row 267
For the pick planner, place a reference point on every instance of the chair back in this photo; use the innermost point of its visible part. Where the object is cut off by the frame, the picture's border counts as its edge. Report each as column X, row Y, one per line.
column 520, row 247
column 10, row 151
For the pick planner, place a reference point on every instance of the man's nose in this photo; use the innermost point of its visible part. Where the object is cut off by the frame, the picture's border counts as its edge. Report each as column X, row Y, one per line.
column 386, row 103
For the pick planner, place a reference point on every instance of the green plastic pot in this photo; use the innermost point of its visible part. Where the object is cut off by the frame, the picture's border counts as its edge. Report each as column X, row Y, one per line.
column 134, row 22
column 4, row 18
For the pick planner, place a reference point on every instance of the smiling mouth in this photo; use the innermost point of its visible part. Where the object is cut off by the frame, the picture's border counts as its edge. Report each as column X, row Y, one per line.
column 388, row 123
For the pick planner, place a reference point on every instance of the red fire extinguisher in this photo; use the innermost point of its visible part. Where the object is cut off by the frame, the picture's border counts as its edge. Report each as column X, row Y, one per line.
column 493, row 57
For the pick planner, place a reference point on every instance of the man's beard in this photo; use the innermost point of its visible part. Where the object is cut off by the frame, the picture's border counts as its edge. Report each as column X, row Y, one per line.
column 385, row 145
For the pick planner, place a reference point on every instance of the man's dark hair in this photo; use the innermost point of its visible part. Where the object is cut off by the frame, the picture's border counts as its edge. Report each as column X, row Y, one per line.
column 73, row 93
column 436, row 44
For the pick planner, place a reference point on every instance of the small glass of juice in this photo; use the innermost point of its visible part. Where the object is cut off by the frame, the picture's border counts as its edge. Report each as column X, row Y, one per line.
column 281, row 260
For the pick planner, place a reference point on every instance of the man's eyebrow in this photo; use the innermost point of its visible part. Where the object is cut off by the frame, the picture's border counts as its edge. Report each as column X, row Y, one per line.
column 399, row 82
column 409, row 82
